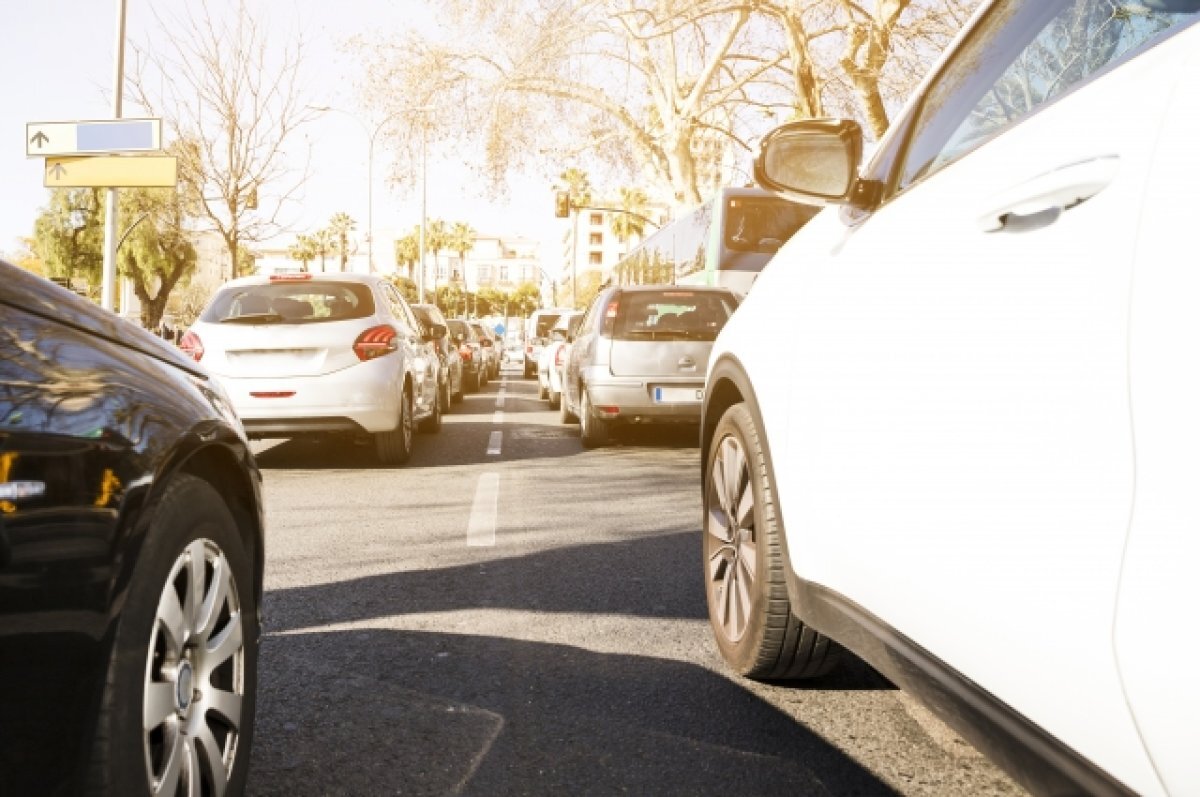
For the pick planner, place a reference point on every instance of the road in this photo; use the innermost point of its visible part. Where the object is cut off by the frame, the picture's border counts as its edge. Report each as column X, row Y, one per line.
column 511, row 614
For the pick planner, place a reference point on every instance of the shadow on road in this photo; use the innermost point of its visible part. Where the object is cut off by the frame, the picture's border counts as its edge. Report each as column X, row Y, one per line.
column 384, row 712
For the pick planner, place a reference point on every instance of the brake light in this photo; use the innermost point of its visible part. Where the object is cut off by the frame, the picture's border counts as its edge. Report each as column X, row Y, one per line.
column 191, row 346
column 292, row 276
column 375, row 342
column 558, row 356
column 464, row 351
column 610, row 318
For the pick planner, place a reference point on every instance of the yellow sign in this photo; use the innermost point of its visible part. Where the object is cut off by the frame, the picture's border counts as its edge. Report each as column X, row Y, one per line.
column 112, row 171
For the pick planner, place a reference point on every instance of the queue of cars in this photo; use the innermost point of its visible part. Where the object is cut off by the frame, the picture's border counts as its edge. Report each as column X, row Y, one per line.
column 976, row 469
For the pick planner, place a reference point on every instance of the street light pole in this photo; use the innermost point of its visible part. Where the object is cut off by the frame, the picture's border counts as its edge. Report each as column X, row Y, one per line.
column 371, row 136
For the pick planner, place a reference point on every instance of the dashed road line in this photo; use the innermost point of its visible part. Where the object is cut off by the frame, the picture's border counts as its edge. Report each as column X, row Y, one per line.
column 493, row 448
column 481, row 528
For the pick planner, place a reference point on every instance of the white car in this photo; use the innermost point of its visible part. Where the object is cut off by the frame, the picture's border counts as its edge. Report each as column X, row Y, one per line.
column 552, row 358
column 316, row 354
column 979, row 470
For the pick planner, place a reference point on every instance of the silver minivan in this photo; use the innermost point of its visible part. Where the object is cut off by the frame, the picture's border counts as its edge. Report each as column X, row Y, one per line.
column 639, row 356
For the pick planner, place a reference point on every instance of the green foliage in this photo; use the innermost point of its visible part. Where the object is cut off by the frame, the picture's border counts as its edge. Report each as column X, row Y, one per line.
column 407, row 288
column 68, row 235
column 156, row 253
column 340, row 227
column 526, row 298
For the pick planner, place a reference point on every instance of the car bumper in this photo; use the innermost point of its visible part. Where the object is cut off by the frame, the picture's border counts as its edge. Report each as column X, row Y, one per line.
column 637, row 401
column 364, row 397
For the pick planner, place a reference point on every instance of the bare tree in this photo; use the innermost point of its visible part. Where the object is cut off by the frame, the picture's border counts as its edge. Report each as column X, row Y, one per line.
column 237, row 102
column 667, row 91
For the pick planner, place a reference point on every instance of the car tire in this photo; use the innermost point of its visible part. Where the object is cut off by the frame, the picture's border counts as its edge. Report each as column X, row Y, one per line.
column 593, row 431
column 565, row 415
column 462, row 386
column 554, row 397
column 748, row 606
column 394, row 446
column 480, row 380
column 433, row 423
column 444, row 396
column 160, row 642
column 530, row 372
column 543, row 391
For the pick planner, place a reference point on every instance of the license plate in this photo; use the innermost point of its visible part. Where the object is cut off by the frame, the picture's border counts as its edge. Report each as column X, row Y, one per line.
column 678, row 395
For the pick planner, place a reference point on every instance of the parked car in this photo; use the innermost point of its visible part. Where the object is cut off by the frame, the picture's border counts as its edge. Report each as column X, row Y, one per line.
column 639, row 357
column 978, row 470
column 131, row 557
column 316, row 354
column 553, row 358
column 491, row 349
column 537, row 331
column 450, row 382
column 463, row 335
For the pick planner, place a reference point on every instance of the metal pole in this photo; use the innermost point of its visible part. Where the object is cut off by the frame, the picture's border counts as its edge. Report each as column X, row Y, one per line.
column 421, row 243
column 574, row 257
column 109, row 276
column 370, row 205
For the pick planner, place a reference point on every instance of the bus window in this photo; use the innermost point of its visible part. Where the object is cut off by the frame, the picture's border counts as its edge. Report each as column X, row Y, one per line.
column 763, row 224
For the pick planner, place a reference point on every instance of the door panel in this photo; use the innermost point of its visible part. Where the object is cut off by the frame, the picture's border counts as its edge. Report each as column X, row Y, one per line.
column 959, row 449
column 1160, row 591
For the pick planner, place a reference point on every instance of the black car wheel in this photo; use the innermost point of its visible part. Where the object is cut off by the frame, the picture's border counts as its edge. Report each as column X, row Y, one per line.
column 178, row 710
column 748, row 605
column 593, row 431
column 434, row 422
column 394, row 446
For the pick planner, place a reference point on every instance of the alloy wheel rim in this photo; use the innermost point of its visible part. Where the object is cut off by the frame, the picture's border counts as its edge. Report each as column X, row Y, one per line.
column 194, row 687
column 732, row 538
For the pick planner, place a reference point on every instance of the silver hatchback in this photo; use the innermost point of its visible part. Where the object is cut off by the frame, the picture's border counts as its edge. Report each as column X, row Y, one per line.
column 639, row 356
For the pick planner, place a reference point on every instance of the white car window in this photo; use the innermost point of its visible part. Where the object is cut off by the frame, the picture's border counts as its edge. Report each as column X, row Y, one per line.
column 1024, row 55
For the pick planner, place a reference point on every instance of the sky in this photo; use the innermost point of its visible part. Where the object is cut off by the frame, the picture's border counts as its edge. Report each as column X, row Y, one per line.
column 57, row 60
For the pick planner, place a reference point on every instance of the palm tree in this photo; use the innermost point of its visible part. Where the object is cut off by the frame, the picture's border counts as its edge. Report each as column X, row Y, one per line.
column 578, row 186
column 633, row 221
column 408, row 252
column 341, row 225
column 461, row 239
column 436, row 240
column 324, row 242
column 304, row 250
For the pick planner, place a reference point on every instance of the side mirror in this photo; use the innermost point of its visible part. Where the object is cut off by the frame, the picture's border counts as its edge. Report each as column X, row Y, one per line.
column 814, row 161
column 485, row 343
column 437, row 331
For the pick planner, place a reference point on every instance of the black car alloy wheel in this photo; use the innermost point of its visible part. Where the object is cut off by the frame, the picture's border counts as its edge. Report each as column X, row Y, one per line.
column 748, row 605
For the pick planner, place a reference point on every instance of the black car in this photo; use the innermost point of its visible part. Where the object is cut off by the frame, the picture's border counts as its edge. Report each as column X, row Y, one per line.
column 452, row 375
column 131, row 558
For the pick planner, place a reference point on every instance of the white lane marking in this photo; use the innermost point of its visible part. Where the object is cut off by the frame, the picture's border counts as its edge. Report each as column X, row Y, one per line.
column 500, row 399
column 498, row 417
column 481, row 528
column 494, row 443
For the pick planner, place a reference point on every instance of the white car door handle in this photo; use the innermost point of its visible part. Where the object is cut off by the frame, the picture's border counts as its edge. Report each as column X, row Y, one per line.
column 1039, row 202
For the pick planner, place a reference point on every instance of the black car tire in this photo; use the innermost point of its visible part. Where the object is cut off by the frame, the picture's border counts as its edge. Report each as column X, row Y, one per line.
column 530, row 371
column 593, row 431
column 394, row 446
column 191, row 518
column 480, row 380
column 554, row 397
column 748, row 606
column 433, row 423
column 444, row 395
column 462, row 386
column 565, row 415
column 543, row 391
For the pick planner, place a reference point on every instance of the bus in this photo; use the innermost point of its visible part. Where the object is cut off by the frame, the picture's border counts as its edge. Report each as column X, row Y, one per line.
column 725, row 241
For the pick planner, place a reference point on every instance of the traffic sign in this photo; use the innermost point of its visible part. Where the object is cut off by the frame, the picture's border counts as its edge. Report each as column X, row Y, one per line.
column 100, row 137
column 113, row 171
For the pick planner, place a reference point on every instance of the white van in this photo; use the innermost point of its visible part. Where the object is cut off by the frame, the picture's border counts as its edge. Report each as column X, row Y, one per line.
column 537, row 334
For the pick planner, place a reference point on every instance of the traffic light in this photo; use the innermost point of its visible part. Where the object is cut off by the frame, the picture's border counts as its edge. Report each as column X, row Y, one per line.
column 562, row 204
